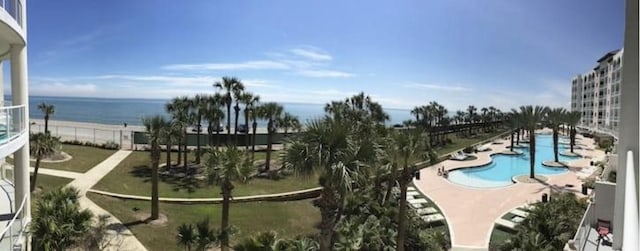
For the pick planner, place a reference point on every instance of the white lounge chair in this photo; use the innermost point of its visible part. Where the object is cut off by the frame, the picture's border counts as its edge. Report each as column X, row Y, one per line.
column 417, row 201
column 433, row 218
column 417, row 206
column 411, row 188
column 412, row 194
column 506, row 223
column 427, row 211
column 520, row 213
column 484, row 147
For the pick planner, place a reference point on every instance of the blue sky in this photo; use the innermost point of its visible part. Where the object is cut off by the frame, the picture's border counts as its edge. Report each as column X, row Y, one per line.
column 404, row 53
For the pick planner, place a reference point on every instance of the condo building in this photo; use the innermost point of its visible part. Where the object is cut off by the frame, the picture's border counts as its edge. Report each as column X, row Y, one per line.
column 596, row 94
column 15, row 212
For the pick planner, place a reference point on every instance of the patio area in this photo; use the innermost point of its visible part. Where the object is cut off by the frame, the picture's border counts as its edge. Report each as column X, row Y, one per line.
column 471, row 213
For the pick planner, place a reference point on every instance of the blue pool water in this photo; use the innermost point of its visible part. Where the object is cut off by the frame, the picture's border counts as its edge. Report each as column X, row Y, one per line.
column 499, row 172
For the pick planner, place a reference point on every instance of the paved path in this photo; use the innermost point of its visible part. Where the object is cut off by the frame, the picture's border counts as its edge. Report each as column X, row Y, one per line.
column 122, row 238
column 471, row 212
column 51, row 172
column 300, row 194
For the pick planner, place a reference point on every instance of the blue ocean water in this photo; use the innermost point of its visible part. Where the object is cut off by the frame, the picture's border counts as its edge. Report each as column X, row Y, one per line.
column 131, row 111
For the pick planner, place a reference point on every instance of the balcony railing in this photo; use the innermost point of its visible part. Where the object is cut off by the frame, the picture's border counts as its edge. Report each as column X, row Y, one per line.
column 12, row 123
column 11, row 237
column 14, row 8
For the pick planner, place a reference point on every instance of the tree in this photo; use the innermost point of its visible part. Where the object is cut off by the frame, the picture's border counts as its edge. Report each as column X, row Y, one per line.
column 171, row 133
column 237, row 95
column 573, row 118
column 154, row 126
column 201, row 235
column 514, row 124
column 230, row 85
column 224, row 168
column 186, row 236
column 47, row 110
column 254, row 113
column 471, row 116
column 531, row 116
column 58, row 223
column 249, row 101
column 555, row 118
column 41, row 145
column 179, row 110
column 405, row 147
column 271, row 112
column 214, row 115
column 197, row 107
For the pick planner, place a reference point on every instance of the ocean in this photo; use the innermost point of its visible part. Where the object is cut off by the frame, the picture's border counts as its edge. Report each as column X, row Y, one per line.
column 131, row 111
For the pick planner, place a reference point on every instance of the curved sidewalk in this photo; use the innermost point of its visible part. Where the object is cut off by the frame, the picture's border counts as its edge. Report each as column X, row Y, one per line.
column 471, row 212
column 121, row 237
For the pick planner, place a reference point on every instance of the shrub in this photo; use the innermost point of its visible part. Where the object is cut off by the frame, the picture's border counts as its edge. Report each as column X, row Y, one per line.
column 111, row 145
column 468, row 149
column 590, row 183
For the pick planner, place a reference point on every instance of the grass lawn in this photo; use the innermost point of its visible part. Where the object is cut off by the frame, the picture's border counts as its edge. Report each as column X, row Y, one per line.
column 46, row 183
column 132, row 176
column 83, row 158
column 289, row 219
column 461, row 142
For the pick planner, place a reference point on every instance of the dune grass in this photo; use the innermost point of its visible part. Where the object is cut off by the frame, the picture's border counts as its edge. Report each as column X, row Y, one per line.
column 132, row 176
column 289, row 219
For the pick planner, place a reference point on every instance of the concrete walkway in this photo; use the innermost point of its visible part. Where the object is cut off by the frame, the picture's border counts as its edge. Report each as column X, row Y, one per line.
column 121, row 237
column 51, row 172
column 294, row 195
column 471, row 212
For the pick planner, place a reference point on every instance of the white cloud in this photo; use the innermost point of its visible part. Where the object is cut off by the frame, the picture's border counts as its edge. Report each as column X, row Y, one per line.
column 63, row 89
column 325, row 74
column 441, row 87
column 311, row 54
column 249, row 65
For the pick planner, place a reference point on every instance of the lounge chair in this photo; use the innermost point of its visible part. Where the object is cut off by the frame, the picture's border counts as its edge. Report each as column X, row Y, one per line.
column 506, row 223
column 459, row 156
column 417, row 201
column 433, row 218
column 411, row 188
column 520, row 213
column 484, row 147
column 427, row 211
column 413, row 193
column 417, row 206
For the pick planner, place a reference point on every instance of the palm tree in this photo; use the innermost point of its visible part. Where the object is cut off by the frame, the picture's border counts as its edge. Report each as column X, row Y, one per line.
column 47, row 110
column 171, row 133
column 154, row 126
column 249, row 101
column 254, row 113
column 206, row 235
column 286, row 122
column 531, row 117
column 42, row 145
column 214, row 115
column 514, row 124
column 178, row 108
column 404, row 147
column 237, row 95
column 229, row 85
column 471, row 116
column 224, row 168
column 197, row 107
column 555, row 118
column 417, row 111
column 58, row 223
column 186, row 236
column 271, row 112
column 573, row 118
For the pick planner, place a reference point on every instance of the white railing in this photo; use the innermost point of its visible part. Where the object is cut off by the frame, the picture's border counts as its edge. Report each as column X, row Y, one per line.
column 14, row 235
column 630, row 227
column 12, row 122
column 582, row 235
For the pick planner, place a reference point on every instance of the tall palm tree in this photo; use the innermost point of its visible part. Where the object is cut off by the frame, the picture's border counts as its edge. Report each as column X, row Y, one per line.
column 41, row 145
column 249, row 101
column 171, row 133
column 271, row 112
column 214, row 115
column 417, row 111
column 197, row 107
column 573, row 118
column 555, row 118
column 230, row 85
column 471, row 113
column 154, row 126
column 47, row 110
column 286, row 122
column 254, row 113
column 405, row 146
column 531, row 116
column 514, row 124
column 224, row 168
column 237, row 95
column 178, row 108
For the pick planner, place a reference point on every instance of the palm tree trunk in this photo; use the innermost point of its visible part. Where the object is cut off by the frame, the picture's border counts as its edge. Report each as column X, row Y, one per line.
column 186, row 145
column 555, row 145
column 269, row 135
column 46, row 124
column 210, row 134
column 224, row 226
column 228, row 120
column 402, row 214
column 246, row 135
column 34, row 177
column 218, row 135
column 512, row 134
column 235, row 128
column 155, row 156
column 168, row 165
column 179, row 161
column 518, row 136
column 199, row 128
column 532, row 153
column 253, row 140
column 572, row 138
column 327, row 222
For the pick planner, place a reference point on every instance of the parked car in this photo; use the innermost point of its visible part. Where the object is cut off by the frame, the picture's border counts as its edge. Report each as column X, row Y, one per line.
column 242, row 128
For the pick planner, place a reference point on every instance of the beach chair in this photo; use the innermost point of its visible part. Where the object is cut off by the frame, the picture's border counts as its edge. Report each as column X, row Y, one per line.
column 426, row 211
column 412, row 193
column 520, row 213
column 433, row 218
column 506, row 223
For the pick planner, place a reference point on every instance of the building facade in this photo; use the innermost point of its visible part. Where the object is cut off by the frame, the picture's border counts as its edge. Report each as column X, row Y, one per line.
column 596, row 94
column 15, row 212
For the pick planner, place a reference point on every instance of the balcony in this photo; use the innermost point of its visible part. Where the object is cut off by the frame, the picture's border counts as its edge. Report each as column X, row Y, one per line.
column 14, row 8
column 587, row 237
column 13, row 129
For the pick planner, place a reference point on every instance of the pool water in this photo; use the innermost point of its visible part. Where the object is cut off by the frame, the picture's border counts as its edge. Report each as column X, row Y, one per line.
column 503, row 167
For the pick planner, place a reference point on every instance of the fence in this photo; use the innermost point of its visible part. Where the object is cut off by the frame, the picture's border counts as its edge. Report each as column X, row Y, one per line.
column 86, row 134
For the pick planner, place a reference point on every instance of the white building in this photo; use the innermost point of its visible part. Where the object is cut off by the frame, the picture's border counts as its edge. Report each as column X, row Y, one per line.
column 596, row 94
column 14, row 130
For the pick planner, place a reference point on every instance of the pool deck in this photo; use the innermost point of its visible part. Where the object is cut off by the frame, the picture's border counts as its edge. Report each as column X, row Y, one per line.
column 471, row 212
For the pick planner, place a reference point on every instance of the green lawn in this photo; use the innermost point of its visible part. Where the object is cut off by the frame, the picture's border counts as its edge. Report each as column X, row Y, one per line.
column 83, row 158
column 462, row 142
column 289, row 219
column 132, row 176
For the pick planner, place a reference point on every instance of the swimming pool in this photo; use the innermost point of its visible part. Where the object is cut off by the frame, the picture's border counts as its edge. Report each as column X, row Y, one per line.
column 503, row 167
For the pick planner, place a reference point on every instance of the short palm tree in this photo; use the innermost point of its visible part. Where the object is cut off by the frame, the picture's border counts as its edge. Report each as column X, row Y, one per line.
column 47, row 110
column 41, row 145
column 200, row 235
column 271, row 112
column 573, row 118
column 186, row 236
column 154, row 126
column 58, row 223
column 230, row 85
column 555, row 118
column 249, row 101
column 530, row 117
column 224, row 168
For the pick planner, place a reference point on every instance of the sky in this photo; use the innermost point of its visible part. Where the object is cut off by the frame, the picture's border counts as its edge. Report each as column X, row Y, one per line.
column 500, row 53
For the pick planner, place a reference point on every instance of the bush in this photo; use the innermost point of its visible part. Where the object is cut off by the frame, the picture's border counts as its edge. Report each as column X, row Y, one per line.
column 110, row 145
column 605, row 142
column 468, row 149
column 590, row 183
